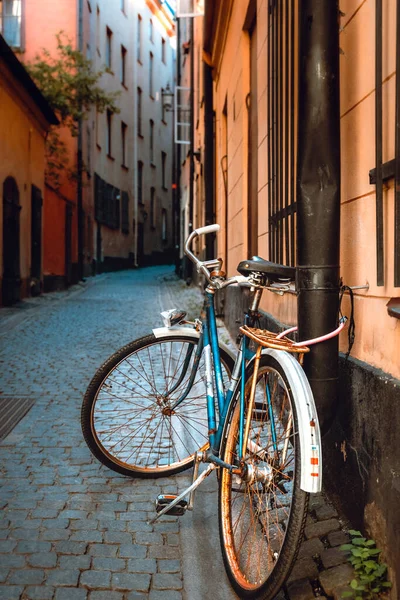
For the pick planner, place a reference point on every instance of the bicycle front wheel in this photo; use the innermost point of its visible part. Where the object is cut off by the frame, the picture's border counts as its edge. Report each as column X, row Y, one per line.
column 128, row 417
column 262, row 512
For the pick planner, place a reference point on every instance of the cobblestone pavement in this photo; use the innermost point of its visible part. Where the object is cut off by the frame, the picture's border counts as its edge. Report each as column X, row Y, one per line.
column 71, row 529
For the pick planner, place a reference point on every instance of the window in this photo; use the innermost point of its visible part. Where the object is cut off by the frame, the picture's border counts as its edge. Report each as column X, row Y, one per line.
column 98, row 31
column 109, row 133
column 10, row 22
column 162, row 105
column 152, row 207
column 151, row 30
column 89, row 6
column 139, row 38
column 163, row 51
column 151, row 75
column 108, row 47
column 88, row 52
column 163, row 165
column 164, row 225
column 98, row 136
column 125, row 212
column 88, row 151
column 123, row 64
column 124, row 139
column 151, row 141
column 106, row 203
column 139, row 111
column 140, row 182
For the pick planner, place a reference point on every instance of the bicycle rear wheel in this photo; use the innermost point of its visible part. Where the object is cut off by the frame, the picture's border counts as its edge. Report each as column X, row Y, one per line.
column 126, row 417
column 262, row 512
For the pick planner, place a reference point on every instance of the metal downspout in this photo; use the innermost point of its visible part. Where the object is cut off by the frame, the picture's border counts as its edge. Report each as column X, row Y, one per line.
column 80, row 159
column 318, row 196
column 191, row 171
column 177, row 176
column 209, row 181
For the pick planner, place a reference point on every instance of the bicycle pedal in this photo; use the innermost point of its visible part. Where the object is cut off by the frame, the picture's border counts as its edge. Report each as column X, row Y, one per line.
column 164, row 499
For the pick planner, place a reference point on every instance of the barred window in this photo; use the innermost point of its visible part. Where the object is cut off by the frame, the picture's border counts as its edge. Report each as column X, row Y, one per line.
column 106, row 203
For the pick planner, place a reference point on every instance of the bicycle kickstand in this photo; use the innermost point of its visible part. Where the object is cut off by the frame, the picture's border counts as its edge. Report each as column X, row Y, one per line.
column 177, row 505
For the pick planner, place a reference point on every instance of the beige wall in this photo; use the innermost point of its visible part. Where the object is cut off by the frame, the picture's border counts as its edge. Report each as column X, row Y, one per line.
column 163, row 74
column 378, row 335
column 109, row 168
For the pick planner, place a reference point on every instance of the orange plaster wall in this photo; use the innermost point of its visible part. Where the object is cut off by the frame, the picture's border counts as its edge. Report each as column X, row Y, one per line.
column 233, row 83
column 22, row 140
column 377, row 335
column 42, row 23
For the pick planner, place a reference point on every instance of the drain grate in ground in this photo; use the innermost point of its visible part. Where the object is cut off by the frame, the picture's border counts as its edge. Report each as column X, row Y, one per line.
column 11, row 412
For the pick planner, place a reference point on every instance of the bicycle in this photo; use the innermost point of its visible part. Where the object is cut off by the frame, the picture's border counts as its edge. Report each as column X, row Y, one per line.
column 177, row 398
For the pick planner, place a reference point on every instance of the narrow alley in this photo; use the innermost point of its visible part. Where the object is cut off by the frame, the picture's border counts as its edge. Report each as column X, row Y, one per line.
column 69, row 525
column 71, row 529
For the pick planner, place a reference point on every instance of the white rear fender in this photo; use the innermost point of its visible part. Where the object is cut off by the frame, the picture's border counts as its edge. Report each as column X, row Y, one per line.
column 176, row 332
column 308, row 425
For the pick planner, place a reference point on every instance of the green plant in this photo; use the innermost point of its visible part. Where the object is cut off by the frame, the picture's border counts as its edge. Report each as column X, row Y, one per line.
column 370, row 575
column 70, row 85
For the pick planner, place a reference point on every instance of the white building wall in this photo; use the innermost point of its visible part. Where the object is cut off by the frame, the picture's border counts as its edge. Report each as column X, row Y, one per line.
column 121, row 19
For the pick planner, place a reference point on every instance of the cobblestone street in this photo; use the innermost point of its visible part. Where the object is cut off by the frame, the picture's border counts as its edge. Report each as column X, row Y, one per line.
column 70, row 528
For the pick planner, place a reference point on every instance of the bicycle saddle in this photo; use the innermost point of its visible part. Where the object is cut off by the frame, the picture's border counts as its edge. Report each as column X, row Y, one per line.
column 273, row 271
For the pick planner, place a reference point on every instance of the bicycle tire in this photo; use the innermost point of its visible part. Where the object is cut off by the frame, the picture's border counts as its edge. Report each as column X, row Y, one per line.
column 261, row 523
column 124, row 416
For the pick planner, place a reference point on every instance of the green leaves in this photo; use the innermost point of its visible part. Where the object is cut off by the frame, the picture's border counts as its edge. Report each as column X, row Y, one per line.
column 369, row 581
column 71, row 86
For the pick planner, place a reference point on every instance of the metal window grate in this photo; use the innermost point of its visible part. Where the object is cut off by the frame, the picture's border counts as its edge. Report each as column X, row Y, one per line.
column 391, row 169
column 281, row 97
column 12, row 410
column 106, row 203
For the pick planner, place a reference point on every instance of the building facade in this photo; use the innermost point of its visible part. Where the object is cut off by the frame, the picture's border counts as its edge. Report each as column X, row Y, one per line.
column 117, row 212
column 251, row 50
column 25, row 119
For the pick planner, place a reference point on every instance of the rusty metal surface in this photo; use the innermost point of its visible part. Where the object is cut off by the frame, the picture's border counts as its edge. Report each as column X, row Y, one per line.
column 268, row 339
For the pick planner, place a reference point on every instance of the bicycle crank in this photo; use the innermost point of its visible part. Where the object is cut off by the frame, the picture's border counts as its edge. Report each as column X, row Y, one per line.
column 177, row 505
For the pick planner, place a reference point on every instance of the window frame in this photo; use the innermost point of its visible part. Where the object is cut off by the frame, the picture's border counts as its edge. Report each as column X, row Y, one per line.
column 163, row 51
column 109, row 53
column 21, row 30
column 153, row 207
column 124, row 53
column 109, row 118
column 124, row 145
column 139, row 26
column 151, row 75
column 98, row 30
column 163, row 169
column 151, row 142
column 140, row 182
column 164, row 226
column 139, row 111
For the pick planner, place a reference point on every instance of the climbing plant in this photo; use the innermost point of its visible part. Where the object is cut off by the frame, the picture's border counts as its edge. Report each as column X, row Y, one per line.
column 71, row 86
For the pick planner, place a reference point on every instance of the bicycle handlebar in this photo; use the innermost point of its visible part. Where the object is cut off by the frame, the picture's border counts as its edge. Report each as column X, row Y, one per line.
column 208, row 229
column 202, row 265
